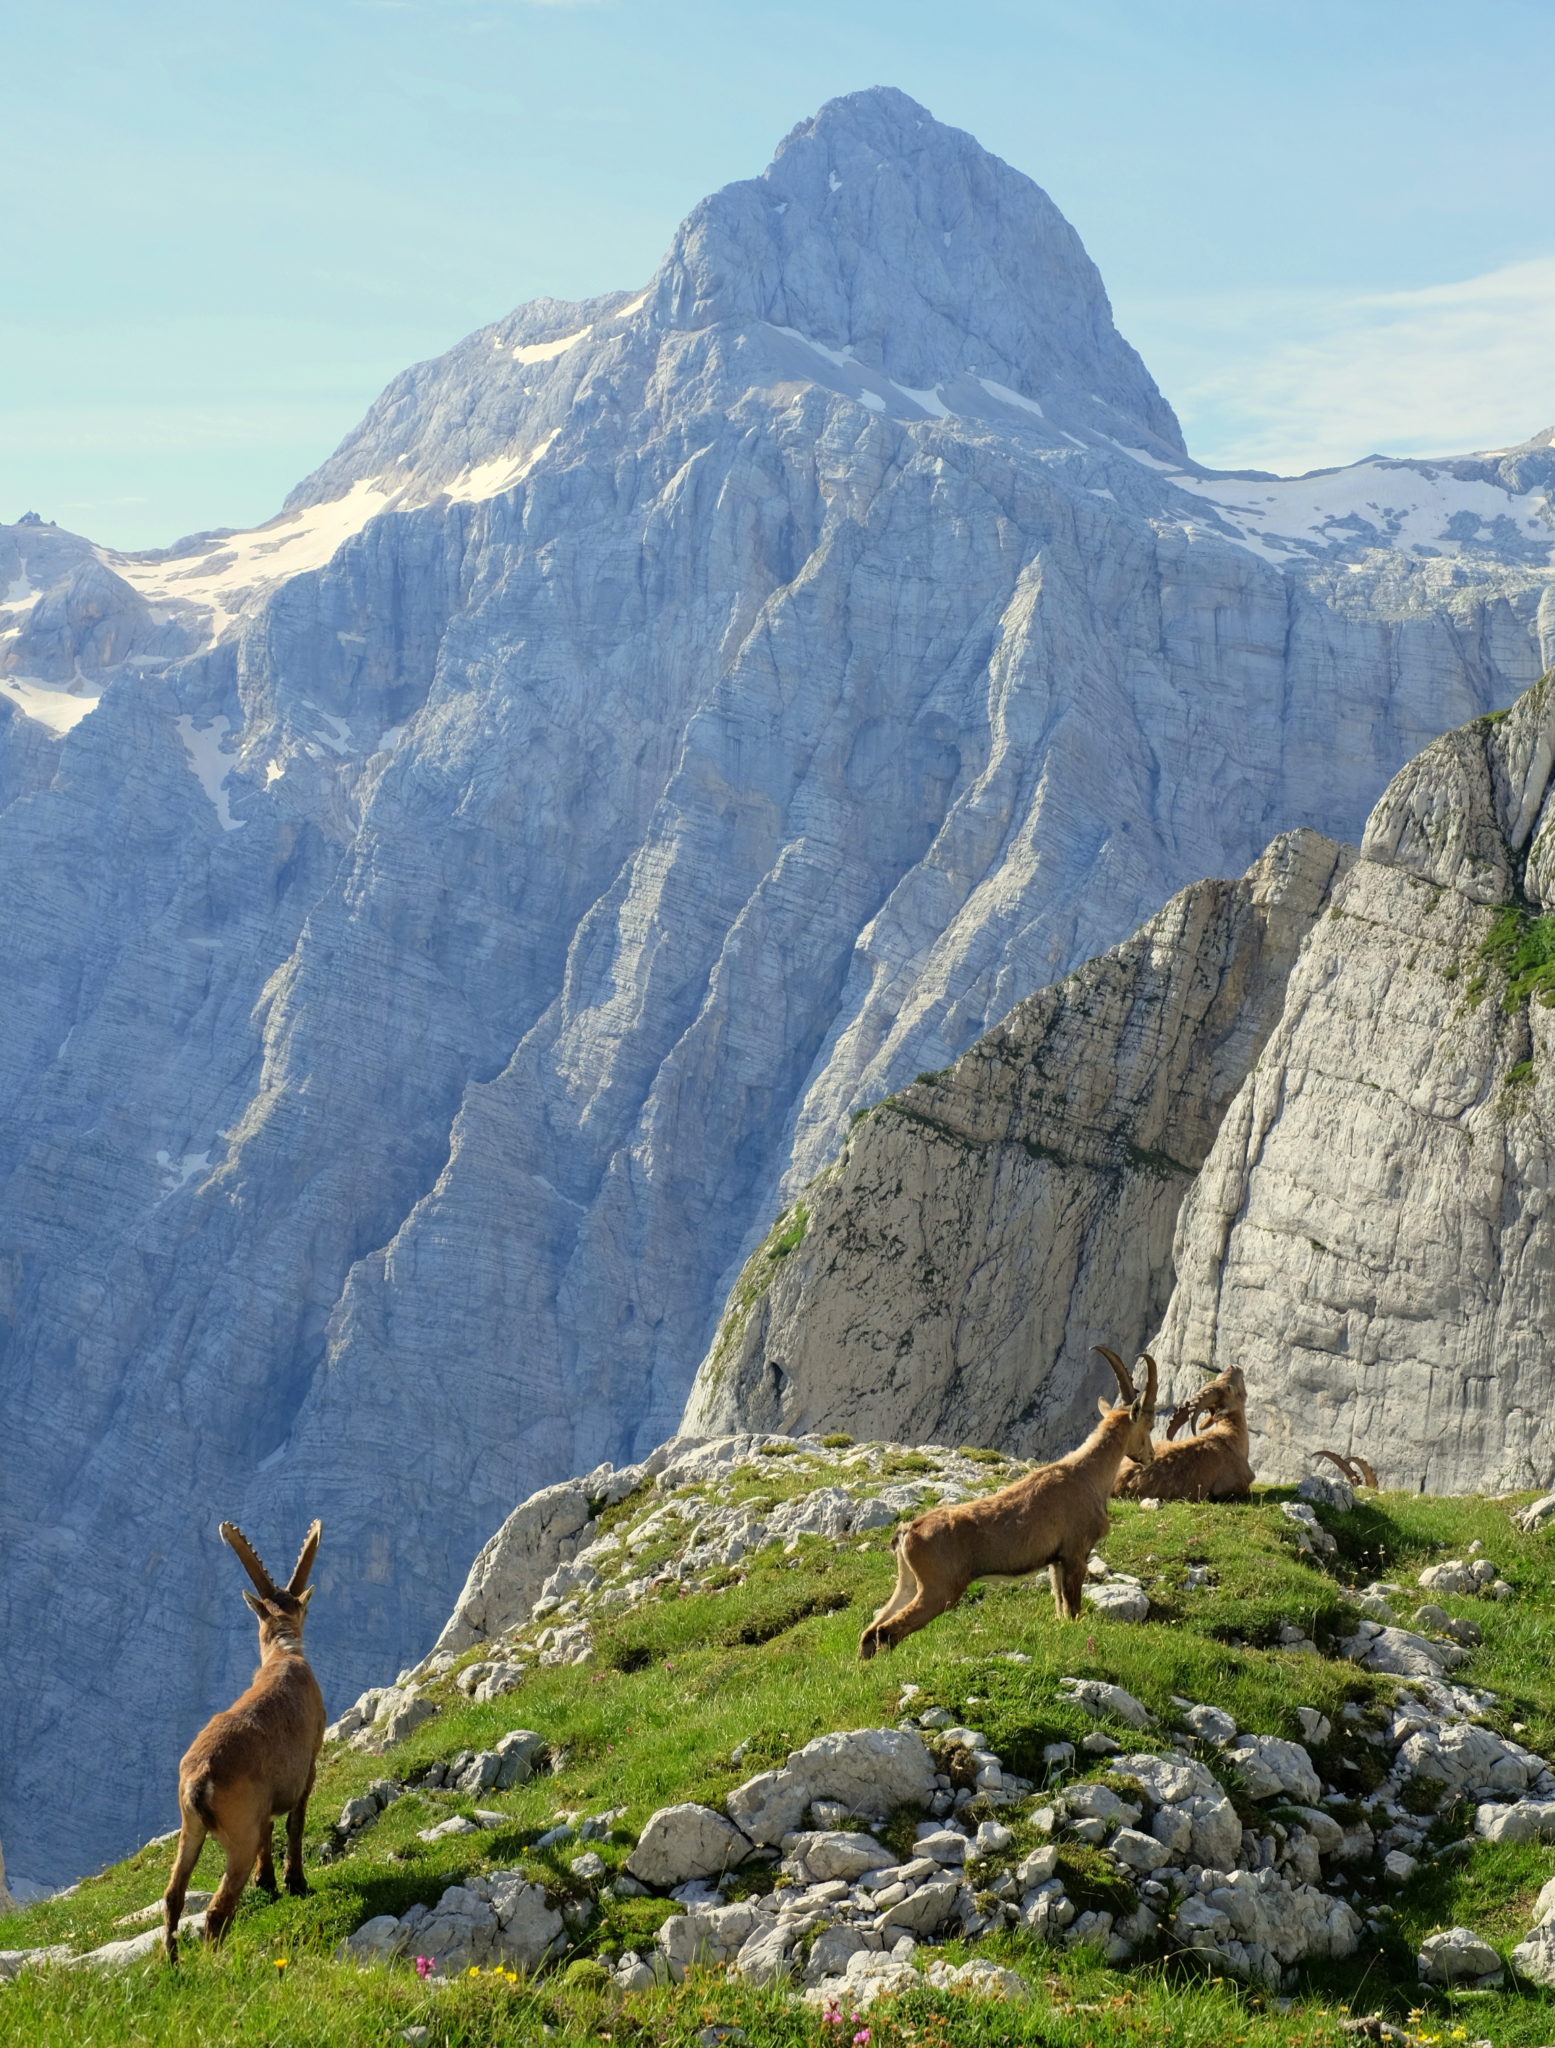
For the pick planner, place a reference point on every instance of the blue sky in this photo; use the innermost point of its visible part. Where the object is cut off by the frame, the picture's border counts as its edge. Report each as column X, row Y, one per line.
column 1327, row 227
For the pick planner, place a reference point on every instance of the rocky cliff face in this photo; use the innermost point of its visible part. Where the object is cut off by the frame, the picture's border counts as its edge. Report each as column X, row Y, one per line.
column 1371, row 1237
column 1353, row 1140
column 439, row 920
column 985, row 1226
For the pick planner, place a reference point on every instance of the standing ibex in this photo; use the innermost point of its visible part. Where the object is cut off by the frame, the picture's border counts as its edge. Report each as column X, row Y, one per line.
column 1212, row 1465
column 1052, row 1517
column 256, row 1759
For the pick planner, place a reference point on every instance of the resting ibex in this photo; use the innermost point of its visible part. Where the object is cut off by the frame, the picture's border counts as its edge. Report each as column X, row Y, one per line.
column 1359, row 1471
column 1052, row 1517
column 1212, row 1465
column 256, row 1759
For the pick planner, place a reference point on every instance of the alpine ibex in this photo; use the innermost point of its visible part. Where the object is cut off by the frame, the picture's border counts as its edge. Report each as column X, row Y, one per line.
column 255, row 1760
column 1052, row 1517
column 1211, row 1465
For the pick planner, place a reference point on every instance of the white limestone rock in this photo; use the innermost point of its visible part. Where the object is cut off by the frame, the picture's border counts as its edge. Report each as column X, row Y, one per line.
column 770, row 1805
column 1274, row 1769
column 1523, row 1820
column 870, row 1770
column 1097, row 1697
column 1534, row 1955
column 1400, row 1652
column 500, row 1918
column 820, row 1856
column 1116, row 1602
column 1455, row 1956
column 686, row 1841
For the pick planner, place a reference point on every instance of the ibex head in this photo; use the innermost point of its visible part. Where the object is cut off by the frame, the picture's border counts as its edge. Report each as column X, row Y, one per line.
column 281, row 1609
column 1140, row 1406
column 1226, row 1394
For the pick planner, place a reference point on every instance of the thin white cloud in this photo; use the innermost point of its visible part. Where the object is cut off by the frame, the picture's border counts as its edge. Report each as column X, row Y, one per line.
column 1305, row 382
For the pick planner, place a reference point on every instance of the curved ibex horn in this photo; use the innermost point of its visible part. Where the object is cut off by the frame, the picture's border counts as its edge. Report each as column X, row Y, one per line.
column 1151, row 1378
column 1130, row 1391
column 1180, row 1416
column 1356, row 1470
column 305, row 1557
column 250, row 1558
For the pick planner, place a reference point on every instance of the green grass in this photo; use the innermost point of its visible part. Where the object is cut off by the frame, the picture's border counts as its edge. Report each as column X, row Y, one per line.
column 769, row 1662
column 1522, row 945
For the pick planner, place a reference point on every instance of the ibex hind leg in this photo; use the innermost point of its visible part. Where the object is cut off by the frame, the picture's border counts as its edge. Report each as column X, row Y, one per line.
column 264, row 1863
column 191, row 1840
column 243, row 1828
column 1067, row 1576
column 296, row 1820
column 918, row 1613
column 906, row 1589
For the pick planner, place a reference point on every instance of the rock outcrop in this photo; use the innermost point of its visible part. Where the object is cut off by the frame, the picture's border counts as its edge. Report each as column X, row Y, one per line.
column 439, row 920
column 1368, row 1235
column 1371, row 1237
column 983, row 1227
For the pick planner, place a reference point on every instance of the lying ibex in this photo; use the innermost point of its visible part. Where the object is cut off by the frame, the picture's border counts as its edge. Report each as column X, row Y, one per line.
column 256, row 1759
column 1359, row 1471
column 1211, row 1465
column 1052, row 1517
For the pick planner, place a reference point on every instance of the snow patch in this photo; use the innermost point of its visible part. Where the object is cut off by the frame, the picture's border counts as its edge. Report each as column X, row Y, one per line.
column 931, row 401
column 1374, row 503
column 1008, row 397
column 211, row 764
column 221, row 574
column 636, row 306
column 542, row 351
column 47, row 703
column 490, row 479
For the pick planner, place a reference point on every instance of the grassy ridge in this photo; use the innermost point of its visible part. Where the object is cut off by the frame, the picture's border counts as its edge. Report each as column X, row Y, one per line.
column 769, row 1662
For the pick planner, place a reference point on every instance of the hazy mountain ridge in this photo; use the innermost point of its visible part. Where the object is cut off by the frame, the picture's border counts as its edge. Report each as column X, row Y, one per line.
column 444, row 915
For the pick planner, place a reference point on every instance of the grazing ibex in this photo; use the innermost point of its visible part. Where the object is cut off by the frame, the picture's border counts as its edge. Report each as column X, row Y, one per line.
column 1359, row 1471
column 1053, row 1517
column 1211, row 1465
column 256, row 1759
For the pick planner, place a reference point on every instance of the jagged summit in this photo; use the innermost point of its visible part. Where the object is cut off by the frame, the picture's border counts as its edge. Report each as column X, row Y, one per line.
column 879, row 230
column 893, row 255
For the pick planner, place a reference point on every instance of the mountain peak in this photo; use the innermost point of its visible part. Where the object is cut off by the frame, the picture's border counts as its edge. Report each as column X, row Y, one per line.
column 880, row 230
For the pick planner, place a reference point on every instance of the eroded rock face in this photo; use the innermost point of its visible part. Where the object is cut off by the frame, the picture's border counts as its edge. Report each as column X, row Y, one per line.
column 1370, row 1238
column 1011, row 1208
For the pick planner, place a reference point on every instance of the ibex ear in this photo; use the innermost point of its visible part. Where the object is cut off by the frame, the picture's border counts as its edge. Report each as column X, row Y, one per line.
column 1136, row 1408
column 305, row 1596
column 1103, row 1405
column 255, row 1602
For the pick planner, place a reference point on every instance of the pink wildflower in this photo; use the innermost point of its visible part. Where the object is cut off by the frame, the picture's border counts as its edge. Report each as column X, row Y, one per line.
column 861, row 2036
column 425, row 1966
